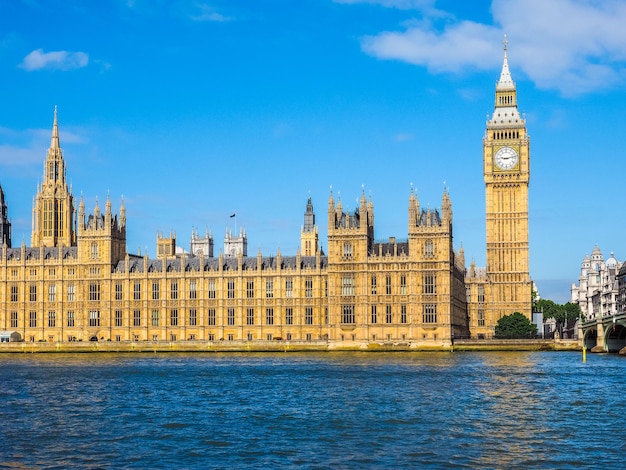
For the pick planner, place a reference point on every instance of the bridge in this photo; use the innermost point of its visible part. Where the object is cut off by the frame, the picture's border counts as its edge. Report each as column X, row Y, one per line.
column 605, row 333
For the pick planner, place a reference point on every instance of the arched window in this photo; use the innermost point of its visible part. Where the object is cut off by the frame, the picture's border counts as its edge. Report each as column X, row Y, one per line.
column 94, row 250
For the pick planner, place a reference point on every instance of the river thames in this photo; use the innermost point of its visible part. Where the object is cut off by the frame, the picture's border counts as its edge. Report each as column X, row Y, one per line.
column 312, row 410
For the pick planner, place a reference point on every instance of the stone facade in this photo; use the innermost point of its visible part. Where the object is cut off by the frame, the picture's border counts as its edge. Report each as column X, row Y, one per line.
column 597, row 292
column 85, row 285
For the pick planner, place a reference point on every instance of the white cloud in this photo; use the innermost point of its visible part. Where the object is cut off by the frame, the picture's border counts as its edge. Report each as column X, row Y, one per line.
column 574, row 46
column 29, row 146
column 54, row 60
column 399, row 4
column 208, row 13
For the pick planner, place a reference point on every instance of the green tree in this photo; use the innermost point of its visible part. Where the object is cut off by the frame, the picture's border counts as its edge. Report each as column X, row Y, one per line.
column 561, row 313
column 515, row 326
column 572, row 311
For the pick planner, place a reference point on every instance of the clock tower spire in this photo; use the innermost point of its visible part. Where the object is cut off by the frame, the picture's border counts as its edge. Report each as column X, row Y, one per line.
column 506, row 169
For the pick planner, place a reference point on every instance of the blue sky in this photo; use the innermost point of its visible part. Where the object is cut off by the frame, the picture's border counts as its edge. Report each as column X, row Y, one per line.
column 195, row 109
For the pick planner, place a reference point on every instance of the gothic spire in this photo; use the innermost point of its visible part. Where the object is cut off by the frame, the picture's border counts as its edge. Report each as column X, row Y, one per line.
column 54, row 143
column 505, row 82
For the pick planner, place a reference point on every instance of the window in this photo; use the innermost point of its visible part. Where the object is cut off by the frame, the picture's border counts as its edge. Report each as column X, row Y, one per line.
column 347, row 249
column 174, row 290
column 429, row 249
column 347, row 287
column 269, row 316
column 231, row 337
column 373, row 283
column 309, row 337
column 403, row 284
column 94, row 318
column 52, row 319
column 288, row 336
column 231, row 288
column 155, row 291
column 429, row 283
column 468, row 294
column 250, row 289
column 52, row 293
column 481, row 294
column 388, row 315
column 269, row 336
column 14, row 293
column 249, row 336
column 374, row 315
column 326, row 288
column 118, row 291
column 211, row 317
column 481, row 318
column 348, row 314
column 429, row 314
column 250, row 316
column 174, row 317
column 325, row 315
column 193, row 293
column 33, row 293
column 289, row 288
column 289, row 316
column 155, row 318
column 308, row 287
column 70, row 318
column 94, row 291
column 137, row 291
column 211, row 337
column 211, row 288
column 308, row 316
column 118, row 318
column 14, row 320
column 269, row 288
column 52, row 272
column 388, row 285
column 136, row 317
column 71, row 293
column 193, row 317
column 402, row 313
column 94, row 250
column 231, row 317
column 32, row 319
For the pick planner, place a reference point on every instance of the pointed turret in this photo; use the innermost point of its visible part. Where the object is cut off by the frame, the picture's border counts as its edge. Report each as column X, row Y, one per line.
column 505, row 82
column 308, row 234
column 53, row 214
column 54, row 142
column 505, row 111
column 5, row 225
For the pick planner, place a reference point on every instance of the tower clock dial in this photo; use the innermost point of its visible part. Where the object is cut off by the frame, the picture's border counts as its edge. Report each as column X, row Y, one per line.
column 506, row 158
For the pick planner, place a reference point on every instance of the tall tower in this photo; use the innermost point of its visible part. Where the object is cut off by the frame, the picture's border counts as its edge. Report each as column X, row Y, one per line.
column 309, row 238
column 5, row 225
column 53, row 208
column 506, row 164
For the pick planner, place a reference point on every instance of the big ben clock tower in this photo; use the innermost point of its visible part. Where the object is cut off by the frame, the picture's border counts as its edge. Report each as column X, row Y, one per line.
column 506, row 166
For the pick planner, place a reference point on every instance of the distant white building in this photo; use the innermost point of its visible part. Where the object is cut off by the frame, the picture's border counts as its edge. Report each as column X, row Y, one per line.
column 597, row 289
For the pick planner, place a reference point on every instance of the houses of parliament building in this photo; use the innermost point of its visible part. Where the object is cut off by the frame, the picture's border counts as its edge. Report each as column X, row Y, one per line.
column 77, row 281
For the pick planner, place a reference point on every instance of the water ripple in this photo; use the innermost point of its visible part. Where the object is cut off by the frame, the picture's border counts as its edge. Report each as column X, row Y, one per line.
column 328, row 410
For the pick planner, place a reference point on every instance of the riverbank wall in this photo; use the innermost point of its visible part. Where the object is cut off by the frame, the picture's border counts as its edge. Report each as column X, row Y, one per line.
column 282, row 346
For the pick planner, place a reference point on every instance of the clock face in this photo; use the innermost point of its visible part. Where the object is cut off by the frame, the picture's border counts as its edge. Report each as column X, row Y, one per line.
column 506, row 158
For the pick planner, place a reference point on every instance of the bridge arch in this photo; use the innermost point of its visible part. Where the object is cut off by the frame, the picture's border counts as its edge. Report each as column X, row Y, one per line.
column 615, row 337
column 590, row 339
